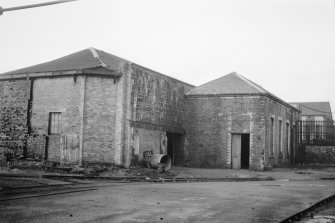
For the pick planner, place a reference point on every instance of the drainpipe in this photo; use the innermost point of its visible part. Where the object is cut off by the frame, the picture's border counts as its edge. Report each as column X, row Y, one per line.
column 81, row 143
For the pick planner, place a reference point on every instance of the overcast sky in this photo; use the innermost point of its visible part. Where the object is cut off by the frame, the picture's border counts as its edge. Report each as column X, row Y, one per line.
column 286, row 46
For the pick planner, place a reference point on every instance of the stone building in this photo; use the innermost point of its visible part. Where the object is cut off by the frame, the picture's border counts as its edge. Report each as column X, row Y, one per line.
column 90, row 106
column 93, row 107
column 232, row 122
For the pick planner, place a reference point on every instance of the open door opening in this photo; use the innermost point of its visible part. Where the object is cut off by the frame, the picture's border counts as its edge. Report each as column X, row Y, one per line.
column 174, row 149
column 240, row 151
column 245, row 151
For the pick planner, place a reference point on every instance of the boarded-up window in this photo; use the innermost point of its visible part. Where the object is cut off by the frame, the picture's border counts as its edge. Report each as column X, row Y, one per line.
column 272, row 136
column 287, row 138
column 54, row 123
column 280, row 135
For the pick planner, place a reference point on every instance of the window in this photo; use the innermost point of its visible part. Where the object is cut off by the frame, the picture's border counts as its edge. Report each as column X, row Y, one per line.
column 304, row 127
column 287, row 138
column 318, row 120
column 54, row 123
column 271, row 136
column 280, row 135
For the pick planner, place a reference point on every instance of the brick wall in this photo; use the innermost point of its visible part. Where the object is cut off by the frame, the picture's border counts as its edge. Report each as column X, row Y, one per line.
column 149, row 140
column 100, row 114
column 66, row 95
column 280, row 153
column 320, row 154
column 209, row 122
column 14, row 102
column 36, row 146
column 156, row 107
column 60, row 94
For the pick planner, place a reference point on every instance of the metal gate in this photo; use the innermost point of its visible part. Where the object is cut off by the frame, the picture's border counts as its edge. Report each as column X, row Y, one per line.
column 313, row 133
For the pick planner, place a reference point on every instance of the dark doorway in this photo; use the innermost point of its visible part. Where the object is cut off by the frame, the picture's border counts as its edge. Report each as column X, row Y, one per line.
column 174, row 149
column 240, row 151
column 245, row 151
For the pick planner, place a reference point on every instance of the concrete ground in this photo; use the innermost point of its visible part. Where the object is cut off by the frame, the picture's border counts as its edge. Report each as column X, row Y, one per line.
column 261, row 201
column 297, row 173
column 252, row 201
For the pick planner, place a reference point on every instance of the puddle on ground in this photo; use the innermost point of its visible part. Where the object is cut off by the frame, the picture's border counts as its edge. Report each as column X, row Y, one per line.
column 193, row 198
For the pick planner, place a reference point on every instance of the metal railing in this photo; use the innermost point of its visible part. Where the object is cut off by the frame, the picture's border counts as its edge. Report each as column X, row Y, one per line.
column 320, row 133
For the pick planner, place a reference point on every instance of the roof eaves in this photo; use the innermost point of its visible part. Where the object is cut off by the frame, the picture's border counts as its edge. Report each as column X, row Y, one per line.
column 39, row 74
column 102, row 70
column 244, row 95
column 88, row 70
column 223, row 95
column 271, row 96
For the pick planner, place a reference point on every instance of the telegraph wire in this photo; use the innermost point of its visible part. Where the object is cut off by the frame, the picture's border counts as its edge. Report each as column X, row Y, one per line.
column 2, row 10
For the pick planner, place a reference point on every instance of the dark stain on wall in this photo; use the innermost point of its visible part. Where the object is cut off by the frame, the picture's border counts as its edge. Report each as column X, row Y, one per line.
column 157, row 99
column 14, row 112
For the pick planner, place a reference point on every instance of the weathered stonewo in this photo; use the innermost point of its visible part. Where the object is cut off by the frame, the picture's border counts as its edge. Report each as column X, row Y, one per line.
column 36, row 146
column 14, row 102
column 210, row 122
column 156, row 98
column 157, row 108
column 99, row 120
column 287, row 153
column 320, row 154
column 120, row 110
column 61, row 94
column 93, row 96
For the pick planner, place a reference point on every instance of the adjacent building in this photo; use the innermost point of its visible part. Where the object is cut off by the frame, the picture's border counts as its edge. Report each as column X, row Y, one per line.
column 316, row 122
column 93, row 107
column 232, row 122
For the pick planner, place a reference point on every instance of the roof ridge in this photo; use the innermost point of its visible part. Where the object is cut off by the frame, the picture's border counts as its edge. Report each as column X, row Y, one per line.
column 209, row 82
column 252, row 84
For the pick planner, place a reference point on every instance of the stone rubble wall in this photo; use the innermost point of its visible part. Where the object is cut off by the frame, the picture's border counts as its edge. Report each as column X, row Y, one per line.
column 320, row 154
column 14, row 100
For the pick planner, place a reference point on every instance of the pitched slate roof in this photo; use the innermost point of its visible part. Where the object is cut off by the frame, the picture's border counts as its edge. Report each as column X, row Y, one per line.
column 232, row 84
column 313, row 108
column 84, row 59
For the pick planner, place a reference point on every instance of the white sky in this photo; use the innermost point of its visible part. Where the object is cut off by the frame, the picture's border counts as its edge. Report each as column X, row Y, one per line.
column 286, row 46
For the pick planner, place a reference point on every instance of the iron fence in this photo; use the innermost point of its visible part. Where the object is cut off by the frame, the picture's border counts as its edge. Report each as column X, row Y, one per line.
column 319, row 133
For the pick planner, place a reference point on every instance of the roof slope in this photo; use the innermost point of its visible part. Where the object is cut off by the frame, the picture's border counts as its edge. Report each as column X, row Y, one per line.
column 84, row 59
column 232, row 83
column 314, row 108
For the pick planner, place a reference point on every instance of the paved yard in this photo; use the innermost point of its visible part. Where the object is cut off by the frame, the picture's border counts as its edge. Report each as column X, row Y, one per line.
column 261, row 201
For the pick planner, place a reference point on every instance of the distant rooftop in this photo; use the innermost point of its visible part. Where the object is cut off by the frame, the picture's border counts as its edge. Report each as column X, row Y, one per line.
column 313, row 108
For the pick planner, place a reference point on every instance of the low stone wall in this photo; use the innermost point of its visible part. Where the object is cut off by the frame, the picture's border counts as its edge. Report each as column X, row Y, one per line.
column 320, row 154
column 36, row 146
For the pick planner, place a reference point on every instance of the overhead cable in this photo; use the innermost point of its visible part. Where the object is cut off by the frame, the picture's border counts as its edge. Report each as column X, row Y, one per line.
column 2, row 10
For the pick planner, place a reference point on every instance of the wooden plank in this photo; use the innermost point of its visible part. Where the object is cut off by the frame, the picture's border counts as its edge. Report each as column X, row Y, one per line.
column 236, row 151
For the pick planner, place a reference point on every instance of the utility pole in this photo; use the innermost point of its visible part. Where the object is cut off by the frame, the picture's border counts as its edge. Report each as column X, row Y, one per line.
column 2, row 10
